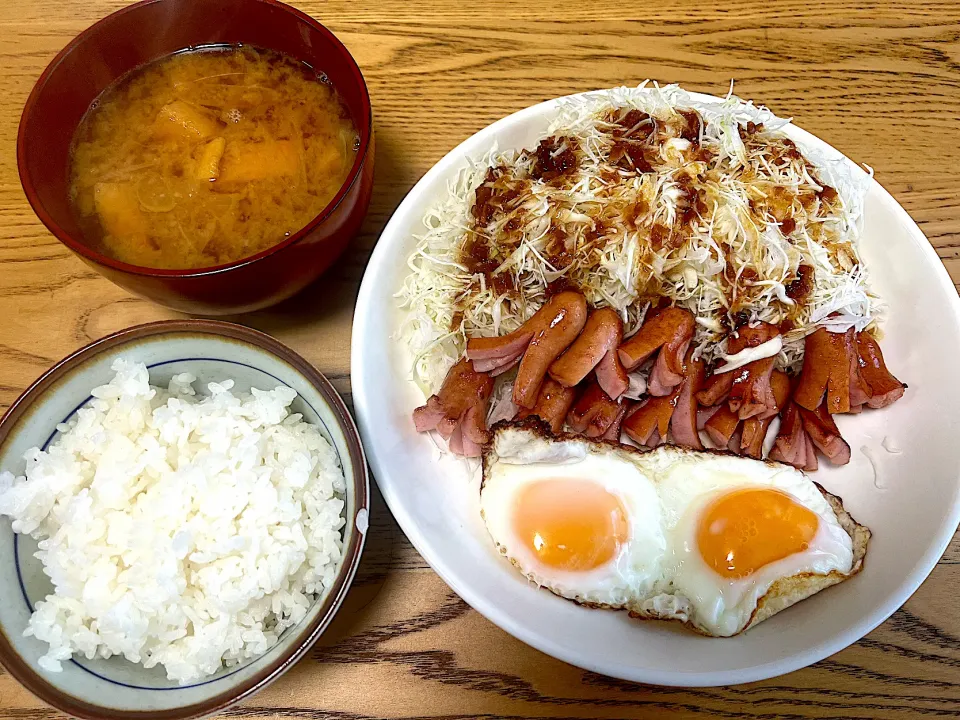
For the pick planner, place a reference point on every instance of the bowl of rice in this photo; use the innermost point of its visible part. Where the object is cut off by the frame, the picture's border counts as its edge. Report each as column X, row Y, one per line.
column 183, row 506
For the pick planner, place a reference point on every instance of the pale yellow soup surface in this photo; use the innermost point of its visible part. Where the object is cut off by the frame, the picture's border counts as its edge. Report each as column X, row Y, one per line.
column 208, row 156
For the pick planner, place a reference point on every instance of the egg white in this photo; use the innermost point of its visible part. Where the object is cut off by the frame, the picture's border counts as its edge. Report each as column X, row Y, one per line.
column 636, row 567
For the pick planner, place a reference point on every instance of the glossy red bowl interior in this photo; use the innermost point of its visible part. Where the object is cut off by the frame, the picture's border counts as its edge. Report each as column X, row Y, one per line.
column 150, row 30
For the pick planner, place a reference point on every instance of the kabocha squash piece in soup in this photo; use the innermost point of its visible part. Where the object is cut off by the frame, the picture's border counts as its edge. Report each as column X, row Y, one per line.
column 118, row 208
column 182, row 120
column 209, row 156
column 208, row 167
column 245, row 162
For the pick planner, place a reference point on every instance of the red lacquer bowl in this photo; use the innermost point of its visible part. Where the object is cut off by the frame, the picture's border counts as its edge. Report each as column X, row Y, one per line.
column 147, row 31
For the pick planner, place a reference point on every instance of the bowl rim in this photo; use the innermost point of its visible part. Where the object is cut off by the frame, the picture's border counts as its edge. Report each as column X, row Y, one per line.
column 365, row 131
column 33, row 681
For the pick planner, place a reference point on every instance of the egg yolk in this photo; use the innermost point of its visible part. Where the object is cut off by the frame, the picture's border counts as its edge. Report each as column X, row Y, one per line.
column 744, row 530
column 571, row 525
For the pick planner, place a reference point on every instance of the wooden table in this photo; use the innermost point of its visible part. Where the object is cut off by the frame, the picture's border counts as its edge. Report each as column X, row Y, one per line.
column 880, row 81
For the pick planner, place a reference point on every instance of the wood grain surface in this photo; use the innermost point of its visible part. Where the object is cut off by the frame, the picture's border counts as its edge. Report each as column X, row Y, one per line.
column 880, row 81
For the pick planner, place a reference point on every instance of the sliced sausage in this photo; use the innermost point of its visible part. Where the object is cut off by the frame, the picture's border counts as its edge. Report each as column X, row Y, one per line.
column 750, row 393
column 426, row 417
column 716, row 389
column 553, row 404
column 811, row 464
column 825, row 435
column 462, row 388
column 826, row 371
column 662, row 378
column 754, row 429
column 747, row 336
column 613, row 432
column 859, row 390
column 596, row 346
column 594, row 412
column 670, row 329
column 704, row 414
column 501, row 349
column 497, row 366
column 649, row 422
column 793, row 446
column 683, row 422
column 611, row 375
column 458, row 412
column 560, row 321
column 607, row 414
column 722, row 425
column 883, row 387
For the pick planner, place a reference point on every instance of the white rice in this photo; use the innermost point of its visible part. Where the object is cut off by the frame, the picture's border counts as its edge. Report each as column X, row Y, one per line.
column 178, row 531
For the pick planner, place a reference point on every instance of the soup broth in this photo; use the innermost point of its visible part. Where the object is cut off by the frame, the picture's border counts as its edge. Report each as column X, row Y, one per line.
column 208, row 156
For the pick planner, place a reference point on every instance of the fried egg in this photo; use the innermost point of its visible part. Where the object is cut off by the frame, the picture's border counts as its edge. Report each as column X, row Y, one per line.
column 585, row 526
column 734, row 527
column 716, row 541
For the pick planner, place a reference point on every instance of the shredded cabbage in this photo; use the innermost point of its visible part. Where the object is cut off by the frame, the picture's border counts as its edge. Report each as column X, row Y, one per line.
column 735, row 261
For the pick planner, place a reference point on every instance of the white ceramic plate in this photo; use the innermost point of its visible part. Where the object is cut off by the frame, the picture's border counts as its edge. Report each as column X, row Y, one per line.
column 913, row 507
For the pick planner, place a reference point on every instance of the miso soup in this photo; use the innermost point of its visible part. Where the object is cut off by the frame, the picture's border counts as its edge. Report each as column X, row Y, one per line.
column 208, row 156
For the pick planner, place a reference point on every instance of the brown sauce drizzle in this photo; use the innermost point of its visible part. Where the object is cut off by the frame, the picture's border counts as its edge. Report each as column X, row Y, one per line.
column 800, row 288
column 556, row 252
column 779, row 203
column 659, row 236
column 700, row 203
column 630, row 155
column 609, row 177
column 636, row 125
column 749, row 130
column 561, row 284
column 482, row 208
column 703, row 154
column 693, row 124
column 503, row 283
column 807, row 199
column 552, row 162
column 633, row 214
column 475, row 256
column 492, row 199
column 826, row 193
column 790, row 150
column 740, row 318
